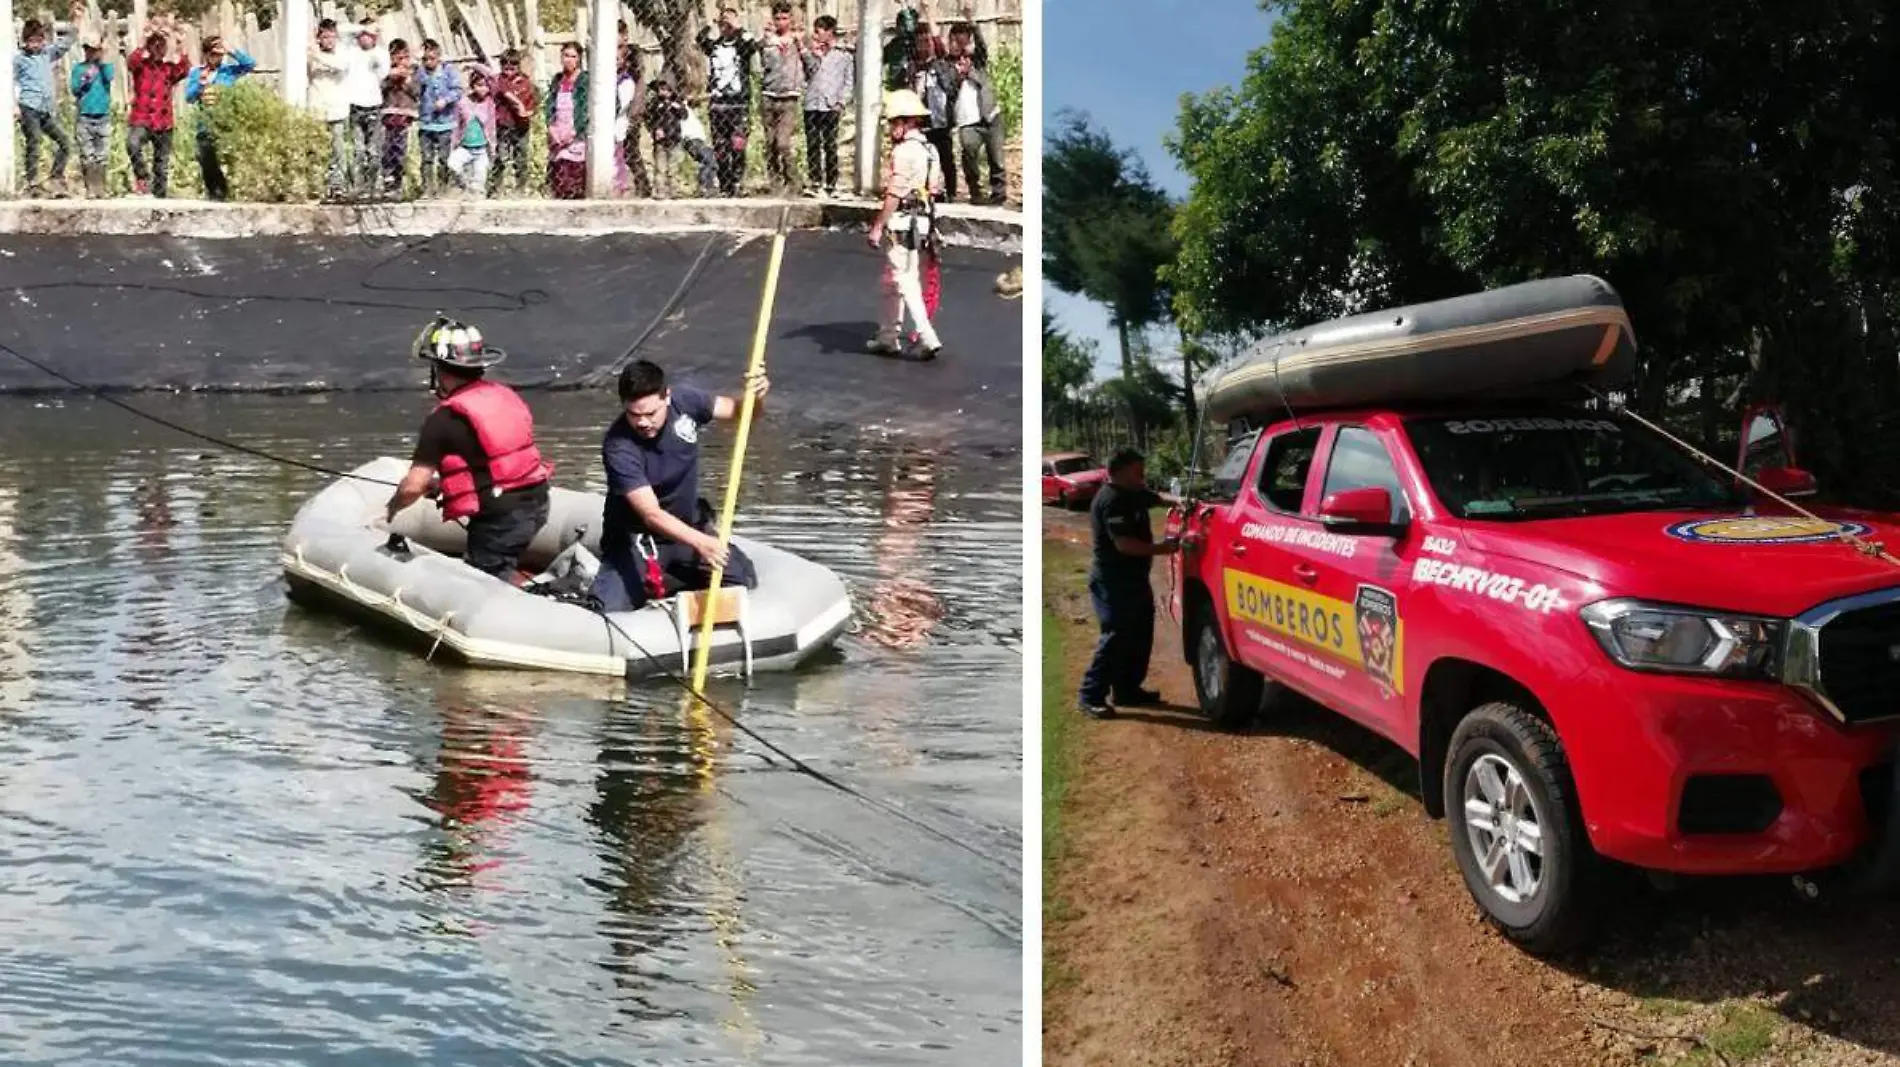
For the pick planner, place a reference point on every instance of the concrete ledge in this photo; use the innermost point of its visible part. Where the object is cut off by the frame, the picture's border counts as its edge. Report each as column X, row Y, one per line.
column 990, row 228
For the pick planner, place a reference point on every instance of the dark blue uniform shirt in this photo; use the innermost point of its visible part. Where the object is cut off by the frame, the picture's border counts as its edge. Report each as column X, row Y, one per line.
column 669, row 464
column 1119, row 512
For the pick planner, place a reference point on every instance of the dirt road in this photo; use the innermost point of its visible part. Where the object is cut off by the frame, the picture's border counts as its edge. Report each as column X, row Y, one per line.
column 1280, row 897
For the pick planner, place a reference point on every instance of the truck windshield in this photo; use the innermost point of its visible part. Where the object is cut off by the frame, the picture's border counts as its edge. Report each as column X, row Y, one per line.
column 1539, row 465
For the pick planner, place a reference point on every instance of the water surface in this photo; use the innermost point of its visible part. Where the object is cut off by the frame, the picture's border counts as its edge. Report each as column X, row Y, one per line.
column 235, row 830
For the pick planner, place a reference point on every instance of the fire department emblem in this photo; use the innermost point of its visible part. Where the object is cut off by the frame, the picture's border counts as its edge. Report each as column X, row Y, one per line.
column 1376, row 612
column 1765, row 530
column 686, row 429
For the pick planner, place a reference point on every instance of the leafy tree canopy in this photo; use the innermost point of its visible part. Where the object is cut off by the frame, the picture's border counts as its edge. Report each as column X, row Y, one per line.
column 1728, row 168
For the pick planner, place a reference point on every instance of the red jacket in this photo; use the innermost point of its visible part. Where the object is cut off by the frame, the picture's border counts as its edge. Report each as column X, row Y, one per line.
column 505, row 428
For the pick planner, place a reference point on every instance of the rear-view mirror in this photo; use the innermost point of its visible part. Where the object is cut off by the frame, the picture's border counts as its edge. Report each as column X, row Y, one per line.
column 1367, row 510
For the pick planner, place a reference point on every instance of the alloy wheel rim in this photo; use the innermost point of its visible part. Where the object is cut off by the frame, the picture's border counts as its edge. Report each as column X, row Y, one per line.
column 1503, row 824
column 1210, row 663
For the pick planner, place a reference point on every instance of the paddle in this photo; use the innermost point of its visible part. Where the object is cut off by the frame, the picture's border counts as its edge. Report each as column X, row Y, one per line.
column 754, row 367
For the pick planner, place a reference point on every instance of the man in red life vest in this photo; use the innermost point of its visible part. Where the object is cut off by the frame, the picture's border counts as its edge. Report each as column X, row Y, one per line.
column 480, row 442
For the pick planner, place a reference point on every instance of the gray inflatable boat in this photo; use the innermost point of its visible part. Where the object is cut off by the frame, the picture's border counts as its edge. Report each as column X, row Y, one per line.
column 337, row 556
column 1541, row 339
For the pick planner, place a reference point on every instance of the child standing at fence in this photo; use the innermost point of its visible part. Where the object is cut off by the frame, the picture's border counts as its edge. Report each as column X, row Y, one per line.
column 663, row 114
column 33, row 83
column 150, row 120
column 729, row 55
column 474, row 135
column 365, row 67
column 781, row 87
column 441, row 93
column 91, row 83
column 514, row 115
column 630, row 171
column 220, row 70
column 827, row 90
column 328, row 68
column 402, row 101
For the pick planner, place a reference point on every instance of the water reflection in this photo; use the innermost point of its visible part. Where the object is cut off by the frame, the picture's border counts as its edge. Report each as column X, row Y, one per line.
column 904, row 608
column 16, row 608
column 483, row 780
column 650, row 797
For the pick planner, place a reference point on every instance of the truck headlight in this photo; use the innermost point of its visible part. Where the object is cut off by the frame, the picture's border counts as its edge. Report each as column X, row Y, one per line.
column 1657, row 637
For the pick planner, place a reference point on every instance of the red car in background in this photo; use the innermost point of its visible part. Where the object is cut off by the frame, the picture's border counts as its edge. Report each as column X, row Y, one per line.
column 1071, row 479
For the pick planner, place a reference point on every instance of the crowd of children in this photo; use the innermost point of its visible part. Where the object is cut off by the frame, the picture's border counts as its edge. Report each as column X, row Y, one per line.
column 471, row 127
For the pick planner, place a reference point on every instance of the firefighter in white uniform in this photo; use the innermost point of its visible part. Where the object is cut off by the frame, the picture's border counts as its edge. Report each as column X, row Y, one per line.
column 912, row 183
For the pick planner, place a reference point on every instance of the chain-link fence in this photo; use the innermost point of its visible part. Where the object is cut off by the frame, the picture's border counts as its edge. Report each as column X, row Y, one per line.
column 488, row 98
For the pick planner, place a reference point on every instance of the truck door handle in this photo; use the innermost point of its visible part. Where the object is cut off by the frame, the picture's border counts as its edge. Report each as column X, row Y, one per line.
column 1306, row 572
column 1240, row 550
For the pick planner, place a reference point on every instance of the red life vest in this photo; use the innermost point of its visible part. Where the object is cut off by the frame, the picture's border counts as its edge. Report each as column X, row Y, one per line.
column 505, row 428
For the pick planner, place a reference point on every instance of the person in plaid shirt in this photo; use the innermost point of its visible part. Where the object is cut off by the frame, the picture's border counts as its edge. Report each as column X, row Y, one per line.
column 154, row 79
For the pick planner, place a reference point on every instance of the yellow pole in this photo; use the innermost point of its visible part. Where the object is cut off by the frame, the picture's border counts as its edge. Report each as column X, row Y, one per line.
column 754, row 368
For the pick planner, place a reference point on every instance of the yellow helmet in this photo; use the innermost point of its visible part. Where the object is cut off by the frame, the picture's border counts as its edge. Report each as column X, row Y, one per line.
column 904, row 104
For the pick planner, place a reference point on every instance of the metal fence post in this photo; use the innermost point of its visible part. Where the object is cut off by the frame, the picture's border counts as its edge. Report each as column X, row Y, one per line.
column 603, row 62
column 870, row 60
column 294, row 15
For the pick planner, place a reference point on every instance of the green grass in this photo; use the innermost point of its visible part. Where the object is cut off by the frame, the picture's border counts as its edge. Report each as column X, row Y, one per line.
column 1060, row 730
column 1747, row 1032
column 1061, row 745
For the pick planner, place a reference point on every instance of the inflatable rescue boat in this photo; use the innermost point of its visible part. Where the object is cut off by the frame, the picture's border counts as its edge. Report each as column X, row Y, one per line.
column 1538, row 340
column 339, row 555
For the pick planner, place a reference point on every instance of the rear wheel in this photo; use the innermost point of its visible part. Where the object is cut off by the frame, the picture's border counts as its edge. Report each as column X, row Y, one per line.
column 1229, row 694
column 1516, row 830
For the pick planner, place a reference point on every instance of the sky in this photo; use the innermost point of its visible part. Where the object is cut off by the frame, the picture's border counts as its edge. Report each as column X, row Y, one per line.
column 1126, row 63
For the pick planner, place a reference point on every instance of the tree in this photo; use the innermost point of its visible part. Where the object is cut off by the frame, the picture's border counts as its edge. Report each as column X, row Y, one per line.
column 1106, row 228
column 1722, row 166
column 1068, row 365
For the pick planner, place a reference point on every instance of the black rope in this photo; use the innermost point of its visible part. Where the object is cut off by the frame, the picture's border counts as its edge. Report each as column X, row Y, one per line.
column 593, row 604
column 100, row 394
column 796, row 764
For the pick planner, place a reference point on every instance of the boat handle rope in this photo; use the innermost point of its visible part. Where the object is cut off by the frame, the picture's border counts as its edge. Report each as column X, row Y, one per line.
column 1870, row 549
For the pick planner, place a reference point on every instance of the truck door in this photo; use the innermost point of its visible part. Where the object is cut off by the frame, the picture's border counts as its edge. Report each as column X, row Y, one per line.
column 1368, row 574
column 1281, row 627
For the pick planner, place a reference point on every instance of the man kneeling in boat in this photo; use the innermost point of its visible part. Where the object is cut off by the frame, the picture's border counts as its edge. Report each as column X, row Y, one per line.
column 480, row 440
column 654, row 510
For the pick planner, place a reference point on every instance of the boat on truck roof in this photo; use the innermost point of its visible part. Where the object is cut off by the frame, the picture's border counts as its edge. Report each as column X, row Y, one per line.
column 1546, row 339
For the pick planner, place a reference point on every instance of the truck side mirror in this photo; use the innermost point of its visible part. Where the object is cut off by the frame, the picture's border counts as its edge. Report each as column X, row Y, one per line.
column 1786, row 481
column 1362, row 511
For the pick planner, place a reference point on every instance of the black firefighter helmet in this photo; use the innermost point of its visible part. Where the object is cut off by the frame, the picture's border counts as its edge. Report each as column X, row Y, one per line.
column 455, row 345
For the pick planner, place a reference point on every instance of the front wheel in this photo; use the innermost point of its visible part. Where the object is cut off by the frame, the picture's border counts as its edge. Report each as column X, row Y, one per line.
column 1516, row 830
column 1229, row 694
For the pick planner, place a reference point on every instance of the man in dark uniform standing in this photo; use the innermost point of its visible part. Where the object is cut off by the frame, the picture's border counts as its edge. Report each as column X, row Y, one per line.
column 479, row 441
column 1124, row 549
column 651, row 455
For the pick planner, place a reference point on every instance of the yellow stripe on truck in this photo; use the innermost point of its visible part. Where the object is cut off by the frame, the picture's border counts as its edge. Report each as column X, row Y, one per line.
column 1314, row 620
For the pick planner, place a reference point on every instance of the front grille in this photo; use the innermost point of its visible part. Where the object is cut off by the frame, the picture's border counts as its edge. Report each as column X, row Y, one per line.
column 1860, row 662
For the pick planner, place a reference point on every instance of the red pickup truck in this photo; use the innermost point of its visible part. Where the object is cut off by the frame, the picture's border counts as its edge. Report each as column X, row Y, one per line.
column 1595, row 648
